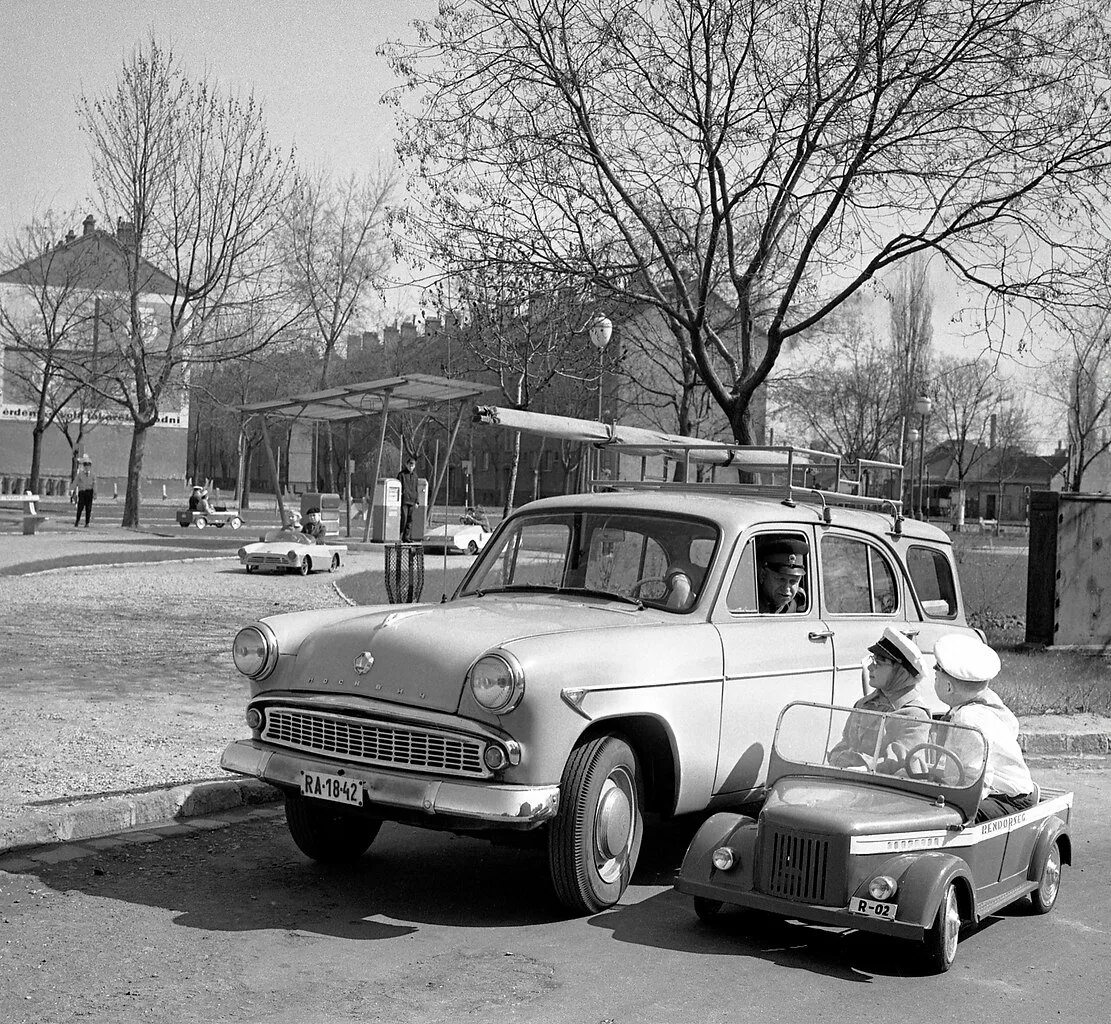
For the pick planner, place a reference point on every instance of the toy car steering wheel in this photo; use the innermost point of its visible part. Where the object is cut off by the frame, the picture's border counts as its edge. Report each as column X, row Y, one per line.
column 932, row 773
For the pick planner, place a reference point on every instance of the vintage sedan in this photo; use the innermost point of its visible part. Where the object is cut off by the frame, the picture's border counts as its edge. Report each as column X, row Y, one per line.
column 291, row 550
column 896, row 850
column 571, row 684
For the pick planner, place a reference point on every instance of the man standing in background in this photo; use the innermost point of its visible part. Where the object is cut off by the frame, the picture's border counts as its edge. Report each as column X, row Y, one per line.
column 84, row 487
column 408, row 478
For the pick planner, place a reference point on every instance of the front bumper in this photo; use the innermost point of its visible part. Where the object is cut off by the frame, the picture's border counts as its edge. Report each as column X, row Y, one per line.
column 477, row 804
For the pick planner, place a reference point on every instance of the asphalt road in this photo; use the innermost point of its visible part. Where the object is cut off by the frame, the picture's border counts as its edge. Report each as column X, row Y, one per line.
column 230, row 923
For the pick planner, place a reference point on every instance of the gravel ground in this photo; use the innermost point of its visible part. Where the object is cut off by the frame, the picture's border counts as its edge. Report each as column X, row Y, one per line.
column 119, row 677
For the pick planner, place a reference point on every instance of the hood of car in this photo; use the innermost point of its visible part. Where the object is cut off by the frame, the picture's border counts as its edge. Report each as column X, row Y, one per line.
column 837, row 807
column 419, row 654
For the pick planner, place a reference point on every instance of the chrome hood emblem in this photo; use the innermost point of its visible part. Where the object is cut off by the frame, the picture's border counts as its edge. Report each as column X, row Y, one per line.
column 363, row 663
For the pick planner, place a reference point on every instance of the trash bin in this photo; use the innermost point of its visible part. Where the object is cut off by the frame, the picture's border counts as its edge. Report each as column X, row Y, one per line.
column 420, row 510
column 404, row 573
column 385, row 511
column 329, row 510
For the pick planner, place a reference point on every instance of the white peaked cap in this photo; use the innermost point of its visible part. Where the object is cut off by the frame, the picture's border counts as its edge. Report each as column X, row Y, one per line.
column 966, row 658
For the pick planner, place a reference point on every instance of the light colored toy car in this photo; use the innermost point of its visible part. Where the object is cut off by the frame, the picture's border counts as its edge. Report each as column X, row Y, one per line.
column 896, row 852
column 458, row 538
column 216, row 517
column 566, row 690
column 292, row 551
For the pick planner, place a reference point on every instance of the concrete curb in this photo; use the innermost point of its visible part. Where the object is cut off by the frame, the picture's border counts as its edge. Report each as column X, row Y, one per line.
column 93, row 817
column 1086, row 743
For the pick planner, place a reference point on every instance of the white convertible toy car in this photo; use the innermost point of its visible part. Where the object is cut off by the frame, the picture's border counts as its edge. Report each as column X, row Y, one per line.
column 468, row 536
column 293, row 551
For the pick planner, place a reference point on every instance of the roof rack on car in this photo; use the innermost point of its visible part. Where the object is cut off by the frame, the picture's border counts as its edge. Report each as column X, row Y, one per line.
column 786, row 472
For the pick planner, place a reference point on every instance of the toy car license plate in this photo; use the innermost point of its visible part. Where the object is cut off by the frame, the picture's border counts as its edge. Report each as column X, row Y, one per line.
column 870, row 908
column 332, row 787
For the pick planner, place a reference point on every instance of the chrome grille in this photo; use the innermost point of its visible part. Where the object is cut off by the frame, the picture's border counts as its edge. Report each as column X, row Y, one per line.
column 794, row 866
column 371, row 741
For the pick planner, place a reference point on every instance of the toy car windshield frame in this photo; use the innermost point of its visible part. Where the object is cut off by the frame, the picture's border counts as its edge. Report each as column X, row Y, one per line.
column 948, row 764
column 286, row 535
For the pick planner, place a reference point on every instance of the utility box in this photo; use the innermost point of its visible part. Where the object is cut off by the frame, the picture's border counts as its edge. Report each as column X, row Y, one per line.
column 1068, row 574
column 329, row 510
column 420, row 510
column 385, row 511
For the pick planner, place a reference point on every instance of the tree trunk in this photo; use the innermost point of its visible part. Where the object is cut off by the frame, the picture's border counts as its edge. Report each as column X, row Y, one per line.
column 958, row 518
column 329, row 469
column 241, row 469
column 132, row 499
column 514, row 464
column 36, row 457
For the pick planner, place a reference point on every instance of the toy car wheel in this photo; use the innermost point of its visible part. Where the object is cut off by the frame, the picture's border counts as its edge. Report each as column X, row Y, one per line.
column 251, row 567
column 327, row 835
column 235, row 522
column 941, row 939
column 594, row 841
column 472, row 547
column 335, row 564
column 305, row 566
column 200, row 522
column 1044, row 897
column 707, row 909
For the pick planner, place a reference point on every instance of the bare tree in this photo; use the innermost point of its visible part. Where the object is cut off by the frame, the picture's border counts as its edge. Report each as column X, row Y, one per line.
column 967, row 393
column 778, row 154
column 339, row 253
column 198, row 187
column 49, row 320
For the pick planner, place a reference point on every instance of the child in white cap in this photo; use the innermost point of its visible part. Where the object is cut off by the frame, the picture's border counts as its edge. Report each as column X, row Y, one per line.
column 896, row 672
column 965, row 666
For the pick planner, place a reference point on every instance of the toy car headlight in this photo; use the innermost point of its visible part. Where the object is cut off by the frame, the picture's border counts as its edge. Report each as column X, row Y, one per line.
column 882, row 887
column 255, row 651
column 291, row 557
column 724, row 858
column 497, row 682
column 242, row 553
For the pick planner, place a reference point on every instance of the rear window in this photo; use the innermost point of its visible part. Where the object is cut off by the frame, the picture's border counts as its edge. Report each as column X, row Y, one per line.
column 932, row 577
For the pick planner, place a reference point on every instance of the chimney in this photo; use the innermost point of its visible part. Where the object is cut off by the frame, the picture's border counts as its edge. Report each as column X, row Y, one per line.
column 70, row 235
column 88, row 224
column 408, row 332
column 991, row 430
column 390, row 335
column 125, row 233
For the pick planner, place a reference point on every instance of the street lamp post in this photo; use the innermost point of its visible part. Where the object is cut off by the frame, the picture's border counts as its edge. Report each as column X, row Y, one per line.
column 912, row 437
column 601, row 330
column 922, row 407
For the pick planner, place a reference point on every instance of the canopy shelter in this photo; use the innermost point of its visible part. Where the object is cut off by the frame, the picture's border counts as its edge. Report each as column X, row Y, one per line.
column 349, row 402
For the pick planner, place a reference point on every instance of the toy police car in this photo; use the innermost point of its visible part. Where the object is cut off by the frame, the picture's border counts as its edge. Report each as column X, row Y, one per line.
column 897, row 853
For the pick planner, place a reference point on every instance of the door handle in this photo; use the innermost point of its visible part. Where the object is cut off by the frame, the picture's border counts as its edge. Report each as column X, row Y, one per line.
column 817, row 637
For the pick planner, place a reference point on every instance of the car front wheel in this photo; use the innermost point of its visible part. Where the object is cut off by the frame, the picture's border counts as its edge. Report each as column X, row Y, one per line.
column 707, row 909
column 335, row 563
column 305, row 566
column 1044, row 897
column 595, row 839
column 941, row 939
column 472, row 547
column 200, row 522
column 327, row 835
column 235, row 522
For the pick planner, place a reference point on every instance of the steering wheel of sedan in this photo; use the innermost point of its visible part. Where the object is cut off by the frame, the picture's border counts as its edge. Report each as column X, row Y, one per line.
column 932, row 772
column 661, row 580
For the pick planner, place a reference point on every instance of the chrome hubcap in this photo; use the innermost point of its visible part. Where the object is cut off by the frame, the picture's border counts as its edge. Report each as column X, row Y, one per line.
column 613, row 825
column 950, row 926
column 1051, row 877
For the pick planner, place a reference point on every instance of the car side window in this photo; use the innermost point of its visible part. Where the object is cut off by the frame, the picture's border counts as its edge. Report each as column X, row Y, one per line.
column 742, row 591
column 857, row 579
column 932, row 576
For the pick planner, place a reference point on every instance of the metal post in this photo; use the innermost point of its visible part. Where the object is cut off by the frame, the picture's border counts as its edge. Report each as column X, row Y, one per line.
column 347, row 468
column 274, row 471
column 601, row 370
column 378, row 463
column 921, row 469
column 450, row 448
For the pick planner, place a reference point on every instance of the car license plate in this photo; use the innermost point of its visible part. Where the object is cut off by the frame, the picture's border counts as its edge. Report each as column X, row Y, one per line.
column 870, row 908
column 332, row 787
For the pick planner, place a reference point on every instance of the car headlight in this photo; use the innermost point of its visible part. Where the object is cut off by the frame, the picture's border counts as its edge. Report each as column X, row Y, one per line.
column 291, row 557
column 255, row 651
column 497, row 682
column 882, row 887
column 241, row 553
column 724, row 858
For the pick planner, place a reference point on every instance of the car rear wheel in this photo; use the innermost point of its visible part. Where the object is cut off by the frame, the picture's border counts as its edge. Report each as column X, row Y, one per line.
column 941, row 939
column 200, row 522
column 331, row 836
column 1044, row 897
column 251, row 568
column 305, row 567
column 595, row 839
column 472, row 547
column 235, row 522
column 707, row 909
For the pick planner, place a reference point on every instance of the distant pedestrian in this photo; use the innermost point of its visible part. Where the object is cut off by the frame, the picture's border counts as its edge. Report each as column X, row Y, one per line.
column 408, row 478
column 84, row 487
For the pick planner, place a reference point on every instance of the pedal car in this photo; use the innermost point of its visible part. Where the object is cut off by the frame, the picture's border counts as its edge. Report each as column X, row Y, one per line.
column 469, row 535
column 217, row 517
column 292, row 551
column 894, row 851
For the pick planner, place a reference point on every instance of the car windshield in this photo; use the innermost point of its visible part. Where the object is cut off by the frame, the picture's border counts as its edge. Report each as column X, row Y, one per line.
column 876, row 744
column 289, row 536
column 654, row 559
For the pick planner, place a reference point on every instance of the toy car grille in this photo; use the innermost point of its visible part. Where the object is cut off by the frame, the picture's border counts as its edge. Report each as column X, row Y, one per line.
column 367, row 741
column 794, row 866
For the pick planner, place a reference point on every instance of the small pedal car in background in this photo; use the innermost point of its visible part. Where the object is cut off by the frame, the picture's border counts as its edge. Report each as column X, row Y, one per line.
column 894, row 851
column 217, row 517
column 468, row 536
column 290, row 550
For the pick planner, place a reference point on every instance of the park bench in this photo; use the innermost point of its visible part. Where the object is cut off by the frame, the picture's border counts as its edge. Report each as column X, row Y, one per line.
column 26, row 502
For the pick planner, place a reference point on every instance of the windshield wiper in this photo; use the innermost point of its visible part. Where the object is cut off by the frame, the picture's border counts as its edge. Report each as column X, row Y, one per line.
column 592, row 592
column 514, row 588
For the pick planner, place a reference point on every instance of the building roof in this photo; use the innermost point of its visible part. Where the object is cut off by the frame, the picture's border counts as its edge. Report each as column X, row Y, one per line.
column 1006, row 462
column 94, row 259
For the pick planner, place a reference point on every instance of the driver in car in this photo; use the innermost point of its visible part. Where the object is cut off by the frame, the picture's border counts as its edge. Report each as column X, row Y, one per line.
column 896, row 672
column 780, row 573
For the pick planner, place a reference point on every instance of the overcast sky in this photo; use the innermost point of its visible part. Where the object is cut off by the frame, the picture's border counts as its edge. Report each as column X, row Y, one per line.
column 312, row 64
